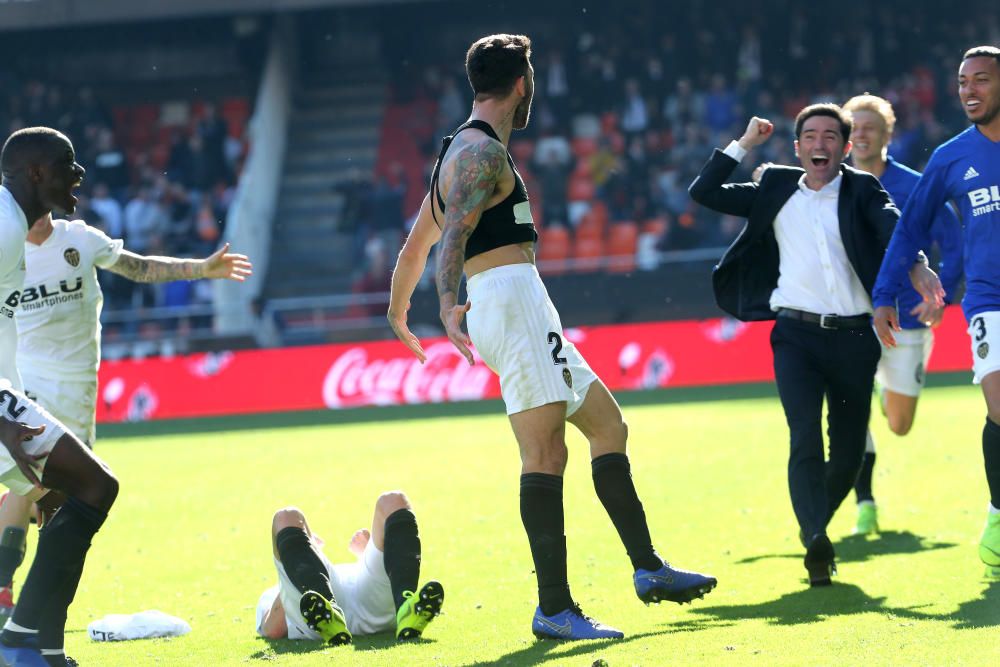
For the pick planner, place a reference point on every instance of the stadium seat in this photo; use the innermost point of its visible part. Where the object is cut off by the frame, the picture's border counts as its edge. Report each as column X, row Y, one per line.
column 523, row 152
column 581, row 188
column 584, row 147
column 553, row 250
column 655, row 226
column 622, row 244
column 588, row 254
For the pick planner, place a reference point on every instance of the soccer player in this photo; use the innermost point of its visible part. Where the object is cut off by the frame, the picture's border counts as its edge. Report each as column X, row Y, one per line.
column 902, row 369
column 59, row 342
column 478, row 208
column 315, row 599
column 40, row 173
column 966, row 171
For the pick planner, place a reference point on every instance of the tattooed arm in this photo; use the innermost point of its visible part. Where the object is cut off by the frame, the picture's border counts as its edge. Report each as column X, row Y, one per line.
column 221, row 264
column 475, row 171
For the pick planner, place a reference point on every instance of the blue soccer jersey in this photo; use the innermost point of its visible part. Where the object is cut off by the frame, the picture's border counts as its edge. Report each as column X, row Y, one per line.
column 966, row 171
column 899, row 181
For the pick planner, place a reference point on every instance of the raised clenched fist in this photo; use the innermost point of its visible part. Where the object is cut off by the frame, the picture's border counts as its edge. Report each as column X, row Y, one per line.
column 758, row 131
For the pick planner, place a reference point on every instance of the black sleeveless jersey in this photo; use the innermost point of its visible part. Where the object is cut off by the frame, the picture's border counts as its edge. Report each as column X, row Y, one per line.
column 506, row 223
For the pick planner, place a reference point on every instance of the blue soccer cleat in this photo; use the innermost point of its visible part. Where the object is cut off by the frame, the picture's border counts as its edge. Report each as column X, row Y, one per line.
column 21, row 656
column 571, row 624
column 673, row 584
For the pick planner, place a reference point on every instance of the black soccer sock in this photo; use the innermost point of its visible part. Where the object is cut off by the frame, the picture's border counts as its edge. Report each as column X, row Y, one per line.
column 863, row 485
column 401, row 555
column 58, row 565
column 542, row 516
column 302, row 564
column 52, row 621
column 12, row 545
column 613, row 483
column 991, row 457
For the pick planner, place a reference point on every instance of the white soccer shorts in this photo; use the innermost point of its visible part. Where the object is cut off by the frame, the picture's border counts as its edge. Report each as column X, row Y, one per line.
column 14, row 405
column 517, row 332
column 984, row 330
column 903, row 369
column 72, row 402
column 361, row 588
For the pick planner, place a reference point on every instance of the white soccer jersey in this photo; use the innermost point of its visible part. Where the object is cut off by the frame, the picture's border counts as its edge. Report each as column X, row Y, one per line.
column 13, row 229
column 59, row 320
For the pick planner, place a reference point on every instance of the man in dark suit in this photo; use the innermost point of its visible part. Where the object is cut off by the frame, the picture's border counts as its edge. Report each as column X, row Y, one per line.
column 808, row 258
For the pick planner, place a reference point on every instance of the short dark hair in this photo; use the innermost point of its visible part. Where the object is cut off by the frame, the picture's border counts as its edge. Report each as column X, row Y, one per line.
column 983, row 52
column 495, row 63
column 25, row 146
column 824, row 109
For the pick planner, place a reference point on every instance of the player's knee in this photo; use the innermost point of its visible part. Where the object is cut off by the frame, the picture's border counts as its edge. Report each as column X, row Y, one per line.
column 550, row 457
column 287, row 517
column 391, row 501
column 105, row 488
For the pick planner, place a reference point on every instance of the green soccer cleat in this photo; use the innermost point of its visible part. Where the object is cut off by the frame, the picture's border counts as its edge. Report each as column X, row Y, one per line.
column 418, row 610
column 325, row 618
column 867, row 518
column 989, row 543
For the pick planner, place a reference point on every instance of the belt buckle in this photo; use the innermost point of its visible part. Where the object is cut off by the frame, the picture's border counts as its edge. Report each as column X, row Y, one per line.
column 823, row 319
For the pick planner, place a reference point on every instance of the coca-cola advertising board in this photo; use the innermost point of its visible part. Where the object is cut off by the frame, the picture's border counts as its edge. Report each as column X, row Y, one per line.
column 626, row 356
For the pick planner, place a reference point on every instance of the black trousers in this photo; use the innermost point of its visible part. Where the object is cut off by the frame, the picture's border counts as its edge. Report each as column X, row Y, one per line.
column 811, row 363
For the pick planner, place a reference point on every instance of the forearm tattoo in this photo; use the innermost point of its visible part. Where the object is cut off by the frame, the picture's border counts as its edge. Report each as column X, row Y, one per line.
column 476, row 170
column 156, row 269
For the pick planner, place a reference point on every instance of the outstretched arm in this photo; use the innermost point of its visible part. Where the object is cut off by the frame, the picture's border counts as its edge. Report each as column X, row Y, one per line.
column 221, row 264
column 474, row 173
column 409, row 267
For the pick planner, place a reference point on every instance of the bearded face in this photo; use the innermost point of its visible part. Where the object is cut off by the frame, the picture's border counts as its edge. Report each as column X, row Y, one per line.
column 523, row 111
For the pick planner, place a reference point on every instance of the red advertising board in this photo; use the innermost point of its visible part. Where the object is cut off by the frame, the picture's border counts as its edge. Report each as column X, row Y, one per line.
column 625, row 356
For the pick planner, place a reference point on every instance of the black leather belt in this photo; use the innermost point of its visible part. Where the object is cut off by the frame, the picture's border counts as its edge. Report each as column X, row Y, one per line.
column 828, row 321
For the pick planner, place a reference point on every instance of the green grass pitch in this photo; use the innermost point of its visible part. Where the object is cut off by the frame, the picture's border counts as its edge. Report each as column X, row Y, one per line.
column 190, row 536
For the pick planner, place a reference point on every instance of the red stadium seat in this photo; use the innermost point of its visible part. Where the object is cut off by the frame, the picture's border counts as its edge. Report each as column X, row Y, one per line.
column 622, row 245
column 588, row 254
column 580, row 189
column 553, row 250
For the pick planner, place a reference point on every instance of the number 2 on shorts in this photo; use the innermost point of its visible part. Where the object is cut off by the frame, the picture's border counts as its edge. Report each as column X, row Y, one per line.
column 557, row 339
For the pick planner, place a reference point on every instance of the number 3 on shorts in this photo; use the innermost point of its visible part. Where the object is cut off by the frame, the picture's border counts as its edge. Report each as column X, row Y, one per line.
column 557, row 339
column 979, row 323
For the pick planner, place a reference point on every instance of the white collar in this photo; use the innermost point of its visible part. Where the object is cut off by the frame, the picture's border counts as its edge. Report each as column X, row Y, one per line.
column 831, row 189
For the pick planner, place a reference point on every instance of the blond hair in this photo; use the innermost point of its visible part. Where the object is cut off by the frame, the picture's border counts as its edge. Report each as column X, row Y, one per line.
column 877, row 105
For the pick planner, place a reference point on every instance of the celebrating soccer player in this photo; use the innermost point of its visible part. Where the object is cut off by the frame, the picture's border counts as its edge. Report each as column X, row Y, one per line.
column 966, row 171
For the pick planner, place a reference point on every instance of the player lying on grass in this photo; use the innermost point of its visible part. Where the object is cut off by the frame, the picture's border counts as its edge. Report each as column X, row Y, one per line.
column 315, row 599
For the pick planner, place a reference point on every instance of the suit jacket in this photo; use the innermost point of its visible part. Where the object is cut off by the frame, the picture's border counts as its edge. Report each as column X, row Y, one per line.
column 748, row 272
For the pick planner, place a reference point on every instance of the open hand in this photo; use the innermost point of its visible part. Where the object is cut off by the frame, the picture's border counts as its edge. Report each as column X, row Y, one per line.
column 399, row 327
column 452, row 320
column 224, row 264
column 13, row 435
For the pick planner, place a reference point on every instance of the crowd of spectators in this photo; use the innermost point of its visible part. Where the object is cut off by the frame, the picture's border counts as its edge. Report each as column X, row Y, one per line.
column 161, row 177
column 629, row 104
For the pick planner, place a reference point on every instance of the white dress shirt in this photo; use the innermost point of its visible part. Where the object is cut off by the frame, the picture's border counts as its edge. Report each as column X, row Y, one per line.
column 815, row 274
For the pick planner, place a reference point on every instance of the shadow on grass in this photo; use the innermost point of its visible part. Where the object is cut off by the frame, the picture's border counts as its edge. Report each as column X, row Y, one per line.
column 982, row 612
column 859, row 548
column 541, row 650
column 810, row 605
column 382, row 640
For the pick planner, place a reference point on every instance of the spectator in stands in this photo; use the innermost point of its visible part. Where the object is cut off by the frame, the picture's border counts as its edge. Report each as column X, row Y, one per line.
column 377, row 279
column 109, row 165
column 635, row 116
column 553, row 163
column 212, row 131
column 721, row 108
column 684, row 106
column 145, row 221
column 110, row 211
column 387, row 208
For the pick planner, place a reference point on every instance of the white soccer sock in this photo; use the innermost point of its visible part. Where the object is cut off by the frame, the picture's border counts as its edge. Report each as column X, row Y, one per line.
column 869, row 443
